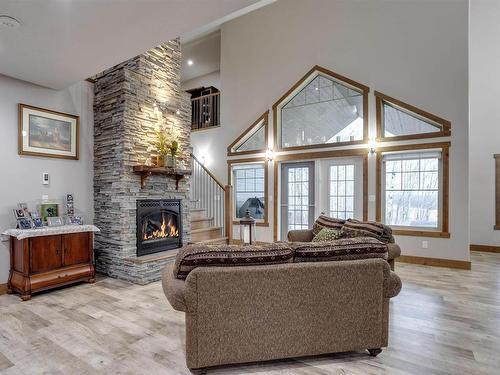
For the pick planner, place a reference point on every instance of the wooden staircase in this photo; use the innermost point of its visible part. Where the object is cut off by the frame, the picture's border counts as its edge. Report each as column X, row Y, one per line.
column 210, row 204
column 203, row 229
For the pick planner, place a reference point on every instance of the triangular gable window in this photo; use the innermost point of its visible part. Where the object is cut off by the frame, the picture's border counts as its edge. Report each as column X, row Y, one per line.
column 398, row 121
column 322, row 108
column 252, row 140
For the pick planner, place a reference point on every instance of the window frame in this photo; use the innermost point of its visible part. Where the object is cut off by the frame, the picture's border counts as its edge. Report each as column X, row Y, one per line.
column 230, row 163
column 262, row 121
column 443, row 230
column 382, row 99
column 308, row 77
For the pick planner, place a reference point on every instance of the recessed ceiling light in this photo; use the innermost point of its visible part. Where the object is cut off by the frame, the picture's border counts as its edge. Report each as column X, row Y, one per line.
column 8, row 21
column 190, row 62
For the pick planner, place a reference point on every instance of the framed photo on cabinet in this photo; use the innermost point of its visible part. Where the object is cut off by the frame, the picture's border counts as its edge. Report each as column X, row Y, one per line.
column 47, row 133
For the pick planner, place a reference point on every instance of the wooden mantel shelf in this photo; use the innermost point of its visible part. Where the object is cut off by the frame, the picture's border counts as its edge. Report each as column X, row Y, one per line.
column 146, row 171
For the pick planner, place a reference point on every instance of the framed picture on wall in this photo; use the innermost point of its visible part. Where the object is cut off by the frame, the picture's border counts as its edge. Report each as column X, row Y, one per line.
column 47, row 133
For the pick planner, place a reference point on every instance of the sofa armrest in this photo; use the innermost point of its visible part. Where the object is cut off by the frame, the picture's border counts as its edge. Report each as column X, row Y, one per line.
column 392, row 286
column 394, row 251
column 174, row 288
column 302, row 235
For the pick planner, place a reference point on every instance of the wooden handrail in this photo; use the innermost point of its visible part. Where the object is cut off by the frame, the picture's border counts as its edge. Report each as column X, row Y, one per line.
column 205, row 96
column 209, row 173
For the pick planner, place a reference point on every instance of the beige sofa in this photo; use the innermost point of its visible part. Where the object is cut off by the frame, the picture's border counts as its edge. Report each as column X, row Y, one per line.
column 306, row 235
column 254, row 313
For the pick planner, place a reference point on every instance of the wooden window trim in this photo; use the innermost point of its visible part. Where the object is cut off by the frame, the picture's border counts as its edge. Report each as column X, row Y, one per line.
column 364, row 89
column 247, row 134
column 497, row 192
column 230, row 164
column 380, row 99
column 445, row 149
column 314, row 156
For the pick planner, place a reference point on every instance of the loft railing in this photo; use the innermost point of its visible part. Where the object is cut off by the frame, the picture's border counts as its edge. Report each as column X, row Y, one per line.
column 208, row 193
column 205, row 111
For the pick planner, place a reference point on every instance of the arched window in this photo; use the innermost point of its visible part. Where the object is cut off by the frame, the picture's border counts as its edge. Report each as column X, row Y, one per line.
column 322, row 109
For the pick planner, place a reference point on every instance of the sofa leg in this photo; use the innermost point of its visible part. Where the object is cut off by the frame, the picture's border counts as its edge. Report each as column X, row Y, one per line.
column 375, row 352
column 198, row 371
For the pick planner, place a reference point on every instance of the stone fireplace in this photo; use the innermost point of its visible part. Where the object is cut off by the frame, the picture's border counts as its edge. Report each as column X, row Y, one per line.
column 132, row 101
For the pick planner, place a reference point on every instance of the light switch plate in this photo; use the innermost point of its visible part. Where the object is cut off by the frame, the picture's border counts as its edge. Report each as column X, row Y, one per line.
column 425, row 245
column 45, row 178
column 371, row 198
column 45, row 198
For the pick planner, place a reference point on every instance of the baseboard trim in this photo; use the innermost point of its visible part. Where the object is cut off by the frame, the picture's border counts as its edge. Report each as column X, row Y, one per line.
column 436, row 262
column 3, row 289
column 485, row 248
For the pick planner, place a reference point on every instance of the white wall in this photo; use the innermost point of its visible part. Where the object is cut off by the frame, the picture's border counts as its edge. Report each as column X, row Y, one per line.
column 412, row 50
column 210, row 79
column 484, row 134
column 22, row 176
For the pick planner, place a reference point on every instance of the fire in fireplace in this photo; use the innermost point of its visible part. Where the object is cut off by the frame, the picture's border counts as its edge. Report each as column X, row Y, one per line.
column 159, row 226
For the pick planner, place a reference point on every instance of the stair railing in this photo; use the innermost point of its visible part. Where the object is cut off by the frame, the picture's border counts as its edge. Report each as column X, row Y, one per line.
column 208, row 193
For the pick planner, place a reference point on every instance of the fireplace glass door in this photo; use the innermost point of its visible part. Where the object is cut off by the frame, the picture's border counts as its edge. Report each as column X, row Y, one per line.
column 159, row 226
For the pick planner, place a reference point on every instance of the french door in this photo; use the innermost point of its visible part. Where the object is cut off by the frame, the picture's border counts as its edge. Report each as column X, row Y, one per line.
column 297, row 196
column 341, row 193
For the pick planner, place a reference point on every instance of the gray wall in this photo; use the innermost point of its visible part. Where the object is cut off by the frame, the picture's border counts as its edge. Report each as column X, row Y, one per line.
column 484, row 140
column 22, row 176
column 413, row 50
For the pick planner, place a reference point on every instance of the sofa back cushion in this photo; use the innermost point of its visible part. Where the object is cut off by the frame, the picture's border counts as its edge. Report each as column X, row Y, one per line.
column 341, row 249
column 203, row 255
column 324, row 221
column 357, row 228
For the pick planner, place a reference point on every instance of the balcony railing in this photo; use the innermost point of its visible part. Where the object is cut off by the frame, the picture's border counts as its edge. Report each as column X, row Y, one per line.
column 205, row 111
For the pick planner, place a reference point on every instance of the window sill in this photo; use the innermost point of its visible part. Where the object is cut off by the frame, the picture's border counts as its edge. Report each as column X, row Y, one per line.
column 420, row 233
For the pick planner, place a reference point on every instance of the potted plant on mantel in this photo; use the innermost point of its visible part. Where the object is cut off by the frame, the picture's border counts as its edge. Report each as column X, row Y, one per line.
column 162, row 147
column 173, row 148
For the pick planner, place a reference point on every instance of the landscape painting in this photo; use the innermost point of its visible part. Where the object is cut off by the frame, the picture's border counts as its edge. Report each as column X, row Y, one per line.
column 49, row 133
column 43, row 132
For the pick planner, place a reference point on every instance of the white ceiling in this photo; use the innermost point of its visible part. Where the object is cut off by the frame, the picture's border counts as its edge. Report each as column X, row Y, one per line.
column 205, row 54
column 61, row 42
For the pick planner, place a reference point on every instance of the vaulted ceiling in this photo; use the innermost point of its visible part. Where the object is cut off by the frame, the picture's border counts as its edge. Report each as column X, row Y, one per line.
column 62, row 42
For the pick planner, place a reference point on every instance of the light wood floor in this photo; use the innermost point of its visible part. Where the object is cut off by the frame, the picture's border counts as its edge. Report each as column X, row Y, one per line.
column 443, row 322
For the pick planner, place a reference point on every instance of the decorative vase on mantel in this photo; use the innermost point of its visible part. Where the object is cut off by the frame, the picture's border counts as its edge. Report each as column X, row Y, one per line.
column 170, row 161
column 160, row 161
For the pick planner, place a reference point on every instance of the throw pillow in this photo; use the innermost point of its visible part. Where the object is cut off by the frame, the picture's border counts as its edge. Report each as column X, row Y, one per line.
column 326, row 235
column 205, row 255
column 324, row 221
column 342, row 249
column 357, row 228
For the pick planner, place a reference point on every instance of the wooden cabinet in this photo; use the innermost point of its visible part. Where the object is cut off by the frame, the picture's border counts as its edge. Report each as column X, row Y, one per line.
column 40, row 263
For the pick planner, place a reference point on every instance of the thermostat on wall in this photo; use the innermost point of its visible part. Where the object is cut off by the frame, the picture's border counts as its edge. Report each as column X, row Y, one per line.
column 45, row 178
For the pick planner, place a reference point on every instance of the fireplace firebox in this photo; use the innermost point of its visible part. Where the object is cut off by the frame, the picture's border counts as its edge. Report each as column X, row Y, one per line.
column 159, row 225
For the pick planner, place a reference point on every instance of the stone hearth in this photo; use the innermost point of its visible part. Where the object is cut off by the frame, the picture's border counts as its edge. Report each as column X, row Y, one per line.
column 133, row 100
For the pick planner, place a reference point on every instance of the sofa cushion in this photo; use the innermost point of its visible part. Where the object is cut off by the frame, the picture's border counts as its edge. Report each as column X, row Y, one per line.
column 203, row 255
column 326, row 235
column 341, row 249
column 357, row 228
column 324, row 221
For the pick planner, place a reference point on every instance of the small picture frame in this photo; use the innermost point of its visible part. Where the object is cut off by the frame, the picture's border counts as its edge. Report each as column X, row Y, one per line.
column 24, row 223
column 19, row 213
column 38, row 222
column 70, row 208
column 74, row 220
column 55, row 221
column 34, row 215
column 49, row 210
column 24, row 207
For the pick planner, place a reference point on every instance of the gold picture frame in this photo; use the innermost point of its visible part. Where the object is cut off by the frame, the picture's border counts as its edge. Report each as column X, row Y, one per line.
column 47, row 133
